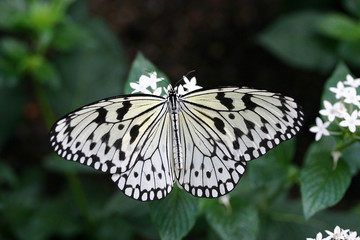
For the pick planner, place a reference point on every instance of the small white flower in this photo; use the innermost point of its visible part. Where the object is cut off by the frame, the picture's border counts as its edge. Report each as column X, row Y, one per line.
column 151, row 80
column 318, row 237
column 167, row 89
column 352, row 97
column 190, row 85
column 181, row 90
column 338, row 234
column 340, row 90
column 157, row 91
column 350, row 121
column 352, row 236
column 320, row 129
column 350, row 81
column 140, row 87
column 331, row 111
column 341, row 109
column 145, row 82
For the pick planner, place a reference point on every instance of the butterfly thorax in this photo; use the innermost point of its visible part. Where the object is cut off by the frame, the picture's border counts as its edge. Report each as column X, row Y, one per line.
column 173, row 107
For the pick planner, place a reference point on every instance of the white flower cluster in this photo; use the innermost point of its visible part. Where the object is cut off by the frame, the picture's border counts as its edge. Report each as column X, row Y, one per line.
column 344, row 113
column 338, row 234
column 151, row 81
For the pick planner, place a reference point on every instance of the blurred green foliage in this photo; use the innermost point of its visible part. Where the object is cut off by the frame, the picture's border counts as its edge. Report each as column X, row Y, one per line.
column 316, row 40
column 54, row 54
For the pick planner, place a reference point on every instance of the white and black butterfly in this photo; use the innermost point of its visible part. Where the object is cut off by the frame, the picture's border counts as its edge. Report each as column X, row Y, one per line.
column 202, row 140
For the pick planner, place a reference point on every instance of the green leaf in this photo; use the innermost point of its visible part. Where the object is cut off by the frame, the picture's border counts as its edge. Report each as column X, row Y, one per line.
column 273, row 171
column 321, row 185
column 339, row 26
column 353, row 6
column 351, row 156
column 45, row 15
column 13, row 55
column 350, row 52
column 142, row 66
column 13, row 49
column 10, row 10
column 294, row 39
column 175, row 215
column 134, row 212
column 70, row 35
column 240, row 221
column 47, row 74
column 89, row 73
column 285, row 218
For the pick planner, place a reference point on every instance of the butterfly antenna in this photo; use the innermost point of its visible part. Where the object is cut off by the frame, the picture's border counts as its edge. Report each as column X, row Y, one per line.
column 181, row 79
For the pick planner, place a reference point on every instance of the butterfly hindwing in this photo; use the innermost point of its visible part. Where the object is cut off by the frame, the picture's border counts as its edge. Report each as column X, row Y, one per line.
column 152, row 175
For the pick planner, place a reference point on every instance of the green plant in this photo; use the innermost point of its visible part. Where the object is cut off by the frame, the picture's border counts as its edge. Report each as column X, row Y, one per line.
column 314, row 39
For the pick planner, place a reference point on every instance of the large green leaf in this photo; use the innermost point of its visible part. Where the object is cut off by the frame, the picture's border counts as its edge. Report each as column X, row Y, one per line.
column 10, row 11
column 236, row 222
column 142, row 66
column 339, row 26
column 321, row 184
column 294, row 39
column 175, row 215
column 273, row 171
column 90, row 73
column 351, row 156
column 285, row 218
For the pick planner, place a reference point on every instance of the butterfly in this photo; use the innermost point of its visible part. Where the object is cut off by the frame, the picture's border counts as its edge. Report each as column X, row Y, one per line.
column 200, row 139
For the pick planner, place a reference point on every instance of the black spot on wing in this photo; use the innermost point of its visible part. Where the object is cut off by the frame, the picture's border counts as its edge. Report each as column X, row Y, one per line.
column 134, row 132
column 92, row 145
column 123, row 110
column 238, row 133
column 105, row 137
column 249, row 124
column 117, row 145
column 219, row 124
column 102, row 115
column 249, row 104
column 226, row 102
column 236, row 145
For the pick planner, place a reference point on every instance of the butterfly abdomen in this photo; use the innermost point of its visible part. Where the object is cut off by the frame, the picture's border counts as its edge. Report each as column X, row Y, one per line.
column 174, row 116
